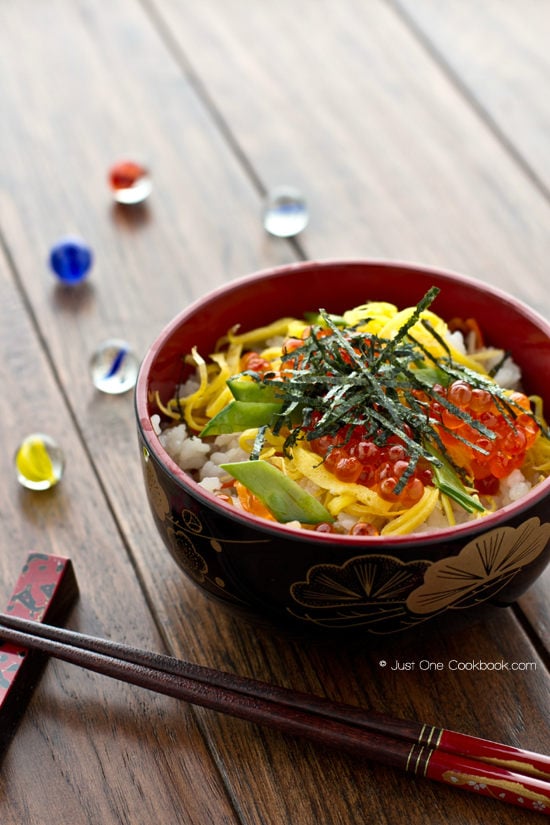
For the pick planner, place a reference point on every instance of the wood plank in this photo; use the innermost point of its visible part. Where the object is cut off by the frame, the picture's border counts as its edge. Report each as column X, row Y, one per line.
column 475, row 703
column 394, row 161
column 56, row 762
column 499, row 56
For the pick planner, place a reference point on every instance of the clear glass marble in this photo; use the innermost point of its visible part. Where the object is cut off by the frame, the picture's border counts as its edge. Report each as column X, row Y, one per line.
column 39, row 462
column 130, row 182
column 71, row 259
column 114, row 367
column 285, row 212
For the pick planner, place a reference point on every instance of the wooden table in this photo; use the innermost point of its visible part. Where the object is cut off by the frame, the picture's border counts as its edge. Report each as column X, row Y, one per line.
column 418, row 130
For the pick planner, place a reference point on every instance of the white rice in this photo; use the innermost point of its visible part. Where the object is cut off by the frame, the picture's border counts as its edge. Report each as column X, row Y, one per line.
column 513, row 487
column 192, row 453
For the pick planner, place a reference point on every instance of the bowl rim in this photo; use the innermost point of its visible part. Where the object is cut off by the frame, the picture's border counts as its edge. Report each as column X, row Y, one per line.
column 498, row 518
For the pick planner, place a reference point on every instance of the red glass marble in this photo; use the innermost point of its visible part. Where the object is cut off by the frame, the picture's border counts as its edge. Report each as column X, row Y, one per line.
column 130, row 182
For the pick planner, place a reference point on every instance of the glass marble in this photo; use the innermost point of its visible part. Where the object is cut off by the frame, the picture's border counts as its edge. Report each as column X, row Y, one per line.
column 285, row 212
column 39, row 462
column 130, row 182
column 114, row 367
column 71, row 259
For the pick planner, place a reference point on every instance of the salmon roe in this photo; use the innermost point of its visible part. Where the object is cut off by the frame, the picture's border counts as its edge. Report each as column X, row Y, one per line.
column 254, row 361
column 359, row 460
column 486, row 457
column 486, row 460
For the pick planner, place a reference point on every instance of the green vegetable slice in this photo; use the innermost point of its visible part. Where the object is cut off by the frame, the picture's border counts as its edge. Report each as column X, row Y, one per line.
column 282, row 496
column 239, row 416
column 448, row 481
column 253, row 391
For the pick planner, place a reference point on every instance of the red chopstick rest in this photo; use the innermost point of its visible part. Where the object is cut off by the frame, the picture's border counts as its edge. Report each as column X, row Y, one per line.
column 45, row 591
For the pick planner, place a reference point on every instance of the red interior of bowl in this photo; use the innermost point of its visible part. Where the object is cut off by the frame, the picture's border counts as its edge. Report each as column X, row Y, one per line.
column 336, row 286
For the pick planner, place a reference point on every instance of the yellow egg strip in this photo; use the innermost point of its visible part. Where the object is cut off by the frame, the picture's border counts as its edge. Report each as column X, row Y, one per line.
column 447, row 508
column 412, row 518
column 420, row 333
column 170, row 410
column 311, row 467
column 537, row 459
column 219, row 394
column 192, row 401
column 340, row 503
column 261, row 334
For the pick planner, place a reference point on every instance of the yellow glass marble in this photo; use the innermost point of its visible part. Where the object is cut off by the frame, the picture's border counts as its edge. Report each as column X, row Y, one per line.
column 39, row 462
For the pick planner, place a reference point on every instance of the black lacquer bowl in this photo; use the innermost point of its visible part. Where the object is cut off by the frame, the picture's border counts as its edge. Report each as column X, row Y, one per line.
column 374, row 585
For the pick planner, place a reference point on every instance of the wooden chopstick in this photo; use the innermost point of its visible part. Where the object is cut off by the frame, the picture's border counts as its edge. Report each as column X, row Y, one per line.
column 522, row 761
column 508, row 774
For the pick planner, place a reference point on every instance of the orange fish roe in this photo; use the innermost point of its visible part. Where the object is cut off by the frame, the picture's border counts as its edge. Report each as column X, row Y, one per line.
column 359, row 460
column 360, row 528
column 486, row 458
column 255, row 362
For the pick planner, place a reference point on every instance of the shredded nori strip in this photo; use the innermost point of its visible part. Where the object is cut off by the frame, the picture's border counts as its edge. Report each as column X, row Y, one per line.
column 349, row 378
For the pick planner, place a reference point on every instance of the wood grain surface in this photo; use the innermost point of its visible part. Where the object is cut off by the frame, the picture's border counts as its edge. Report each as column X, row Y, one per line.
column 418, row 131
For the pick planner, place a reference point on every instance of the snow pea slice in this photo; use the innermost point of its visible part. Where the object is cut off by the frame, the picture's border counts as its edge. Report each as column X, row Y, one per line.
column 256, row 391
column 240, row 415
column 447, row 480
column 282, row 496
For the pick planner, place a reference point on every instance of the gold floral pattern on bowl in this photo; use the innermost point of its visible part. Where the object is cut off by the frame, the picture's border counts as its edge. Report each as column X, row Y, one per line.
column 482, row 568
column 385, row 594
column 366, row 590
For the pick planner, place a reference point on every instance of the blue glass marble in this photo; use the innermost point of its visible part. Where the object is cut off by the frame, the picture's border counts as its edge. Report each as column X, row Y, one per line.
column 114, row 367
column 71, row 259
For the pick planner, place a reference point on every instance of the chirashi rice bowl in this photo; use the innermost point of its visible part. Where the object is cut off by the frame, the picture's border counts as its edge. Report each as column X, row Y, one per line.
column 379, row 421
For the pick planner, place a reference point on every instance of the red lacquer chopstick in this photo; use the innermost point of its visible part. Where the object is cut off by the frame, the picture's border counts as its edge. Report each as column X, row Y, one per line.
column 522, row 780
column 434, row 738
